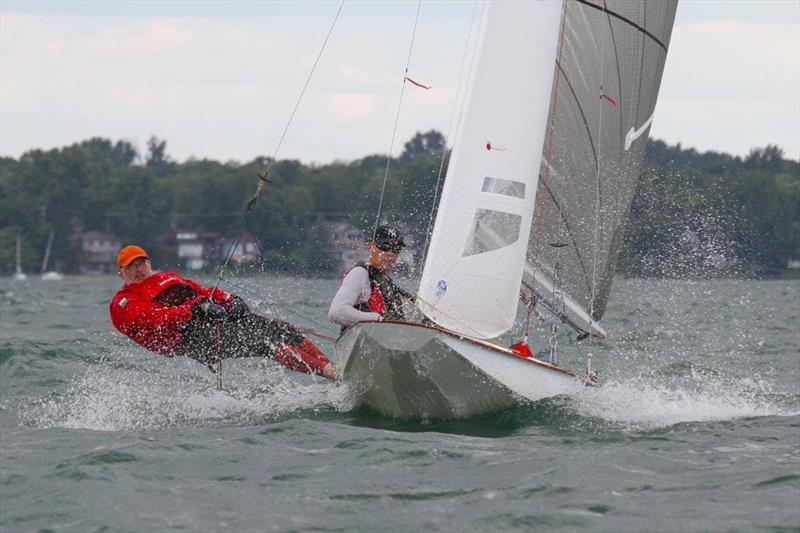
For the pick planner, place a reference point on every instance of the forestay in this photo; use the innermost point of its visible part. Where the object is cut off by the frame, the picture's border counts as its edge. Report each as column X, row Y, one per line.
column 473, row 270
column 609, row 69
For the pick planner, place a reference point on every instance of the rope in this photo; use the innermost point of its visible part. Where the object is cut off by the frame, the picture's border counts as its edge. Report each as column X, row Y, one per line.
column 219, row 361
column 428, row 232
column 396, row 121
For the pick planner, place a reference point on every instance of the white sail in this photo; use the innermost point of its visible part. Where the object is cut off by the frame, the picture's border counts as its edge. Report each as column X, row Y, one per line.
column 472, row 274
column 48, row 248
column 18, row 273
column 49, row 275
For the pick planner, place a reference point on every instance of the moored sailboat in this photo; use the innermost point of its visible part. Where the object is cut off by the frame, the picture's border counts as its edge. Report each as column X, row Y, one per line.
column 49, row 275
column 18, row 273
column 541, row 177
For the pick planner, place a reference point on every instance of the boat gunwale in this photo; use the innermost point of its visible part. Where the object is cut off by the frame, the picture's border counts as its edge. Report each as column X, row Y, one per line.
column 586, row 380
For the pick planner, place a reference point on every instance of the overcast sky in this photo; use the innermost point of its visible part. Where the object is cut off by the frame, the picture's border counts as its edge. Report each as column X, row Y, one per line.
column 219, row 80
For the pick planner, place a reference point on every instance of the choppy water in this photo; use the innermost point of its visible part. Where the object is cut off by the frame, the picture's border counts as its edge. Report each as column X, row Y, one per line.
column 697, row 427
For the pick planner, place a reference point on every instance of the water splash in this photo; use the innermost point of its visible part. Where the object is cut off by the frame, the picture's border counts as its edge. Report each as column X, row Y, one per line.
column 644, row 403
column 113, row 399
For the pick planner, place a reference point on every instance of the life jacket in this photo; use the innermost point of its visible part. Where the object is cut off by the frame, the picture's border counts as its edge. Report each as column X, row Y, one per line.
column 386, row 298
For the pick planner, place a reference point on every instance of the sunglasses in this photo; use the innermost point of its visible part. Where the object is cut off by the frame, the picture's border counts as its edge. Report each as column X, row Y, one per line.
column 389, row 247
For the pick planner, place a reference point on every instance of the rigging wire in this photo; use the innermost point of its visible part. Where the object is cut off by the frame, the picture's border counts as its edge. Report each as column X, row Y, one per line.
column 557, row 304
column 262, row 178
column 428, row 232
column 260, row 297
column 396, row 120
column 597, row 181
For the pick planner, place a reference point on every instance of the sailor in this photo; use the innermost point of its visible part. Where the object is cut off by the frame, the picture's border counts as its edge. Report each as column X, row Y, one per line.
column 367, row 292
column 171, row 315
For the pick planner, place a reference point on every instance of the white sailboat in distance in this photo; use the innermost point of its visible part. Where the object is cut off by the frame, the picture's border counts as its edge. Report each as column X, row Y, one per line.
column 541, row 178
column 18, row 273
column 49, row 275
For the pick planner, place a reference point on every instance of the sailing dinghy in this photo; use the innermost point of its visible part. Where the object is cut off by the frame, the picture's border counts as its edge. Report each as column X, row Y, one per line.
column 49, row 275
column 18, row 273
column 542, row 174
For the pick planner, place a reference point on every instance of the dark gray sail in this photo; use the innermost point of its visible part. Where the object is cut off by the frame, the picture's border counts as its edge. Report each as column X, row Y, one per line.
column 610, row 61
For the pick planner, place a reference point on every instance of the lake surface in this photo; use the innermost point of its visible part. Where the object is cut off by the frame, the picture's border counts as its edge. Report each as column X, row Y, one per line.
column 696, row 427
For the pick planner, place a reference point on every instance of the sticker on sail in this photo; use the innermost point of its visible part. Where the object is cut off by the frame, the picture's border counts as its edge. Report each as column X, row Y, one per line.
column 634, row 134
column 123, row 302
column 441, row 288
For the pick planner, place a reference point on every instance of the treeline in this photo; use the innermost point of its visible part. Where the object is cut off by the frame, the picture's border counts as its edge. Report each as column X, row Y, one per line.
column 105, row 186
column 711, row 214
column 694, row 213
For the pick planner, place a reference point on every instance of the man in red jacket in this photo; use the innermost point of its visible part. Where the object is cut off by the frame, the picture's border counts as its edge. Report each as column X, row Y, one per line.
column 172, row 315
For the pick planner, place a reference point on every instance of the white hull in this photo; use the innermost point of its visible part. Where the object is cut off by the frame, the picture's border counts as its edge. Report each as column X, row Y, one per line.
column 409, row 370
column 52, row 276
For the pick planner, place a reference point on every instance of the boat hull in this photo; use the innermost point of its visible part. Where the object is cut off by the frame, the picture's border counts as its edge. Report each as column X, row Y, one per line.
column 410, row 370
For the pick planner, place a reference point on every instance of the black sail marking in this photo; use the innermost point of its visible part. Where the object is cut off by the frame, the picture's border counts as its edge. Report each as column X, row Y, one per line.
column 620, row 101
column 625, row 20
column 583, row 114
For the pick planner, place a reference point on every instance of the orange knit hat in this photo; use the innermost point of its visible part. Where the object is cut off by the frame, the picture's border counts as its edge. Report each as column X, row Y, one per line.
column 128, row 254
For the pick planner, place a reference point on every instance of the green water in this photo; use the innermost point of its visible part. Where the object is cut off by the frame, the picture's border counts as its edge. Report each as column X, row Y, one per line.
column 696, row 427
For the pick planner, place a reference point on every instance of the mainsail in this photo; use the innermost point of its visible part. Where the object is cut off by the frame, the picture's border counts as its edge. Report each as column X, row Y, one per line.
column 472, row 274
column 608, row 73
column 593, row 68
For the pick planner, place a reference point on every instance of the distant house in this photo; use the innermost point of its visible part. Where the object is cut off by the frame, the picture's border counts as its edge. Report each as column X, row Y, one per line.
column 246, row 249
column 196, row 249
column 406, row 259
column 99, row 252
column 338, row 243
column 347, row 243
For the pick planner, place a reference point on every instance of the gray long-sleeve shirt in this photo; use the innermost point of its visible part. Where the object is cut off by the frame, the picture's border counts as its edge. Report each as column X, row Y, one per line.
column 355, row 289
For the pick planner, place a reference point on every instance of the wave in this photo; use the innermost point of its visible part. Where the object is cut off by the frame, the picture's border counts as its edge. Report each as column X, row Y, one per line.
column 125, row 391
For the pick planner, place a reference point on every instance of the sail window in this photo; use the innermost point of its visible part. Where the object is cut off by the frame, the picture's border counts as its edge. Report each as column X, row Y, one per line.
column 515, row 189
column 492, row 230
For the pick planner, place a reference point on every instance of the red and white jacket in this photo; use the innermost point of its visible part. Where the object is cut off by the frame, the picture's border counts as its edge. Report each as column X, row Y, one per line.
column 155, row 311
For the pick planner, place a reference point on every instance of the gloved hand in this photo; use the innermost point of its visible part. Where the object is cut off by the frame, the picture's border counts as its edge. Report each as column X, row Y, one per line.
column 207, row 309
column 238, row 307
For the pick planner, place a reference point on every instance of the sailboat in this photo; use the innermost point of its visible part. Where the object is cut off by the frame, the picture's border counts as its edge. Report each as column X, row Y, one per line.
column 18, row 273
column 49, row 275
column 542, row 174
